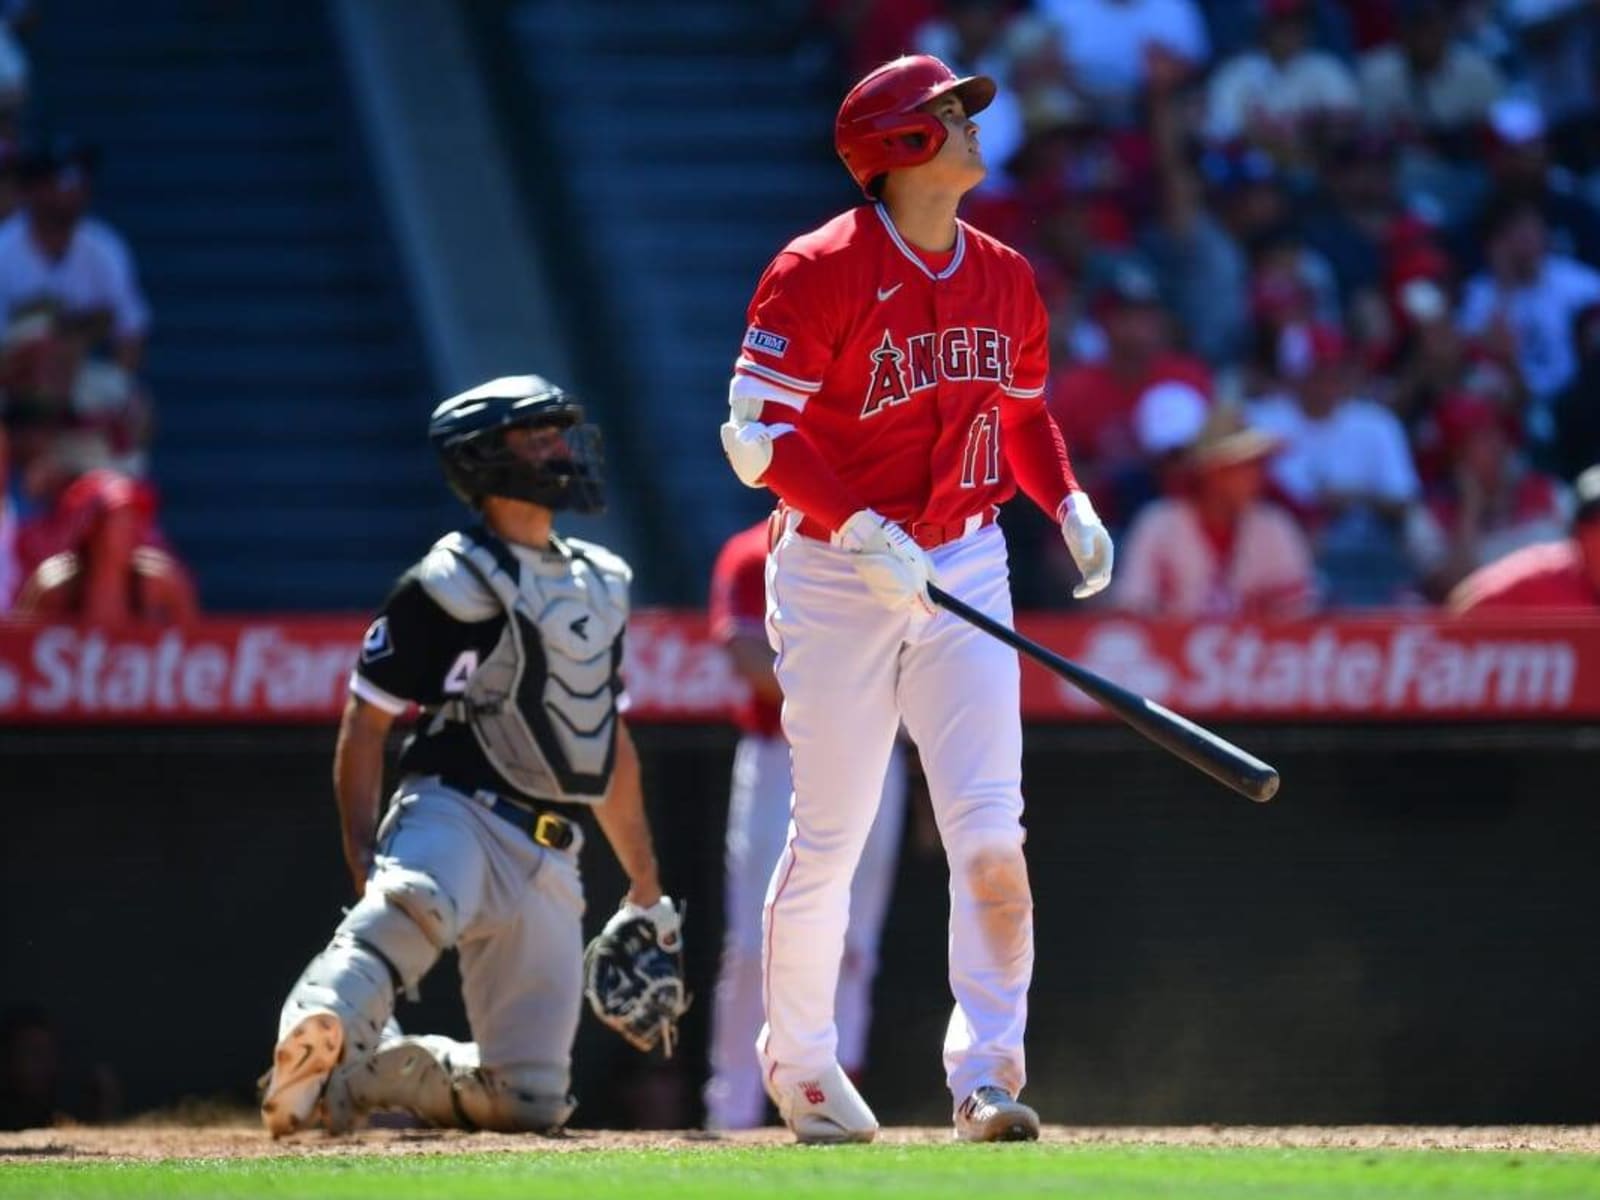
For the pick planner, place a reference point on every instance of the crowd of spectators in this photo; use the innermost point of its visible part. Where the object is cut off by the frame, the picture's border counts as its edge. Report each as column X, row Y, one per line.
column 79, row 536
column 1322, row 277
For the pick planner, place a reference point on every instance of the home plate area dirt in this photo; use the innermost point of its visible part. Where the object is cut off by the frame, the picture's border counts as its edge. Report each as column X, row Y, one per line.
column 159, row 1141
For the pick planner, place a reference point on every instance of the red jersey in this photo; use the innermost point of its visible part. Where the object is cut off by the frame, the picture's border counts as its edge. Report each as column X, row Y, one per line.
column 739, row 609
column 902, row 369
column 1550, row 576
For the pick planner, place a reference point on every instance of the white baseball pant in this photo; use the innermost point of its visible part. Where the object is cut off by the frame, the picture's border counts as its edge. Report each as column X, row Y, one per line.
column 851, row 670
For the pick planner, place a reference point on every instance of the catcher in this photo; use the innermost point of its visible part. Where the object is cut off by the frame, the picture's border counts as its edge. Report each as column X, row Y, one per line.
column 509, row 640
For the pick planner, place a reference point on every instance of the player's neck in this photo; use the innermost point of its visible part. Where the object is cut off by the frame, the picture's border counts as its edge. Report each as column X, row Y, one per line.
column 519, row 522
column 925, row 218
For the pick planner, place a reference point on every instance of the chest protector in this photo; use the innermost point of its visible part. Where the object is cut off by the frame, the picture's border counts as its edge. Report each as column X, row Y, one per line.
column 543, row 703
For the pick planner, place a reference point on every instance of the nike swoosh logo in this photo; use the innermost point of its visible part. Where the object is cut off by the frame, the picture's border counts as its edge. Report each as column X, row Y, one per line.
column 305, row 1053
column 885, row 293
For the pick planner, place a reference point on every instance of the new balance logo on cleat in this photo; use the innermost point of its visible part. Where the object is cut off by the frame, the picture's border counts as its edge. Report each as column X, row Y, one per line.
column 992, row 1114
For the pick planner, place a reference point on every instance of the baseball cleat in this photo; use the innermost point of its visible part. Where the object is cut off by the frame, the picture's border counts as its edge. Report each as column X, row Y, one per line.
column 301, row 1065
column 992, row 1114
column 826, row 1111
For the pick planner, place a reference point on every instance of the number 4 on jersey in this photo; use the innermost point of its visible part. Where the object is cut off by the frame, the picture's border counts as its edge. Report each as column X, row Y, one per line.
column 983, row 446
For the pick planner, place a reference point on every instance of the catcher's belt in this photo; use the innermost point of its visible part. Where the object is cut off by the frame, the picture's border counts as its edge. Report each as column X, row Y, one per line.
column 546, row 828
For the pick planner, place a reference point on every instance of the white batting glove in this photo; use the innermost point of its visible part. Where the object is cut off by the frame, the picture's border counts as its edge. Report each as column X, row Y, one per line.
column 1088, row 543
column 894, row 567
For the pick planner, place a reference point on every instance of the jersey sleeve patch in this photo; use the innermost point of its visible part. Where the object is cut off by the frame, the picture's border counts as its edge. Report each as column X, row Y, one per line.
column 756, row 338
column 375, row 644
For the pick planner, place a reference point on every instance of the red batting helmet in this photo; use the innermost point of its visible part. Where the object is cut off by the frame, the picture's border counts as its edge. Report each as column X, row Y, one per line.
column 880, row 125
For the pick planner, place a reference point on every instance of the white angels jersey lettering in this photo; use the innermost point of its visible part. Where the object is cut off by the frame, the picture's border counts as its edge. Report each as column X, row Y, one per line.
column 959, row 355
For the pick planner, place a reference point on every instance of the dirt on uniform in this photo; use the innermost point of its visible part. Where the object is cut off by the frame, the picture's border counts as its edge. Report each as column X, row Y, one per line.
column 137, row 1142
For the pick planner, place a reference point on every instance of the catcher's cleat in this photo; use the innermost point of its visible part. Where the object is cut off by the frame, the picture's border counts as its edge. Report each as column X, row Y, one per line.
column 301, row 1065
column 992, row 1114
column 825, row 1111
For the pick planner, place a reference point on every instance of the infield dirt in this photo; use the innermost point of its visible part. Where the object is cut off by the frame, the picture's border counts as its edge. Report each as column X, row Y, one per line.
column 149, row 1141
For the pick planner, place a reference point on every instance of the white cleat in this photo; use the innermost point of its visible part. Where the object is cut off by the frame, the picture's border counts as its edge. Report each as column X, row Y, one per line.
column 826, row 1111
column 992, row 1114
column 301, row 1065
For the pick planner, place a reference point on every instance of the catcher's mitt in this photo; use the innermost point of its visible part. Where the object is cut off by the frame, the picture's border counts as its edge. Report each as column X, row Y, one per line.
column 633, row 974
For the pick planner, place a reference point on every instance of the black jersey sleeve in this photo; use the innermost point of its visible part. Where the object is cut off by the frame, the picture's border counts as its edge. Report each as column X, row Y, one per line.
column 415, row 652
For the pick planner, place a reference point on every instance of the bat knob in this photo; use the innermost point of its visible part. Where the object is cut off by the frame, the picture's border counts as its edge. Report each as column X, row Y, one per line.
column 1264, row 786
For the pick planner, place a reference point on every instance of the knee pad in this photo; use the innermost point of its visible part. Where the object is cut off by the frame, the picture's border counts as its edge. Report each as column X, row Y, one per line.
column 419, row 896
column 378, row 949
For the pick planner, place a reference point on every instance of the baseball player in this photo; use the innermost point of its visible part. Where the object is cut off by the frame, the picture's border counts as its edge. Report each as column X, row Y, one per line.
column 758, row 823
column 890, row 392
column 509, row 639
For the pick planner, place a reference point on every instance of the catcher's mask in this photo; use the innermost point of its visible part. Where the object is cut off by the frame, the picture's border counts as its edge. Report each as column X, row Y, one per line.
column 470, row 432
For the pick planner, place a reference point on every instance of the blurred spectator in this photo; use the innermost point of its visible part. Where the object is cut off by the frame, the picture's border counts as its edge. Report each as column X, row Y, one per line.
column 1577, row 409
column 1530, row 297
column 1562, row 575
column 1352, row 219
column 1094, row 402
column 1489, row 502
column 1109, row 45
column 1340, row 452
column 1215, row 547
column 1211, row 211
column 1345, row 467
column 1560, row 42
column 1264, row 93
column 55, row 252
column 1520, row 168
column 93, row 550
column 1428, row 84
column 46, row 371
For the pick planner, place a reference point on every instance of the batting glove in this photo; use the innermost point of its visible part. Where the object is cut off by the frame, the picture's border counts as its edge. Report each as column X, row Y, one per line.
column 894, row 567
column 1087, row 542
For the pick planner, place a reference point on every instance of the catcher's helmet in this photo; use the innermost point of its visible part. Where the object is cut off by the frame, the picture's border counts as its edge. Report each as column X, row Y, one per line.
column 880, row 125
column 469, row 432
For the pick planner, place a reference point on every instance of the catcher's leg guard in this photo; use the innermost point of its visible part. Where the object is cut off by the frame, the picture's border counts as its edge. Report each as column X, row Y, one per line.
column 442, row 1082
column 386, row 942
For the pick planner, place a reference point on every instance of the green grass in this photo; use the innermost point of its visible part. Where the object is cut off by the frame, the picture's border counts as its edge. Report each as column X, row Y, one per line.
column 877, row 1172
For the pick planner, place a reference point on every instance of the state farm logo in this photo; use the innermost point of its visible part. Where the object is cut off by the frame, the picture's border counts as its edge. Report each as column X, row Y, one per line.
column 259, row 670
column 667, row 670
column 1403, row 668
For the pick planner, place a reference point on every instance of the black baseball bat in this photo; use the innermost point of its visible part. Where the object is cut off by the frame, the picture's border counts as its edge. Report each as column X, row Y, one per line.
column 1197, row 746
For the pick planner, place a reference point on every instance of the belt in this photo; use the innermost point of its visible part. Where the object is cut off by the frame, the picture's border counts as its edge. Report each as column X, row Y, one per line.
column 547, row 829
column 930, row 535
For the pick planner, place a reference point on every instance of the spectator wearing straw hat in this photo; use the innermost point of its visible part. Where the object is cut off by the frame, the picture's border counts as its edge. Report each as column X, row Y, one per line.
column 1215, row 547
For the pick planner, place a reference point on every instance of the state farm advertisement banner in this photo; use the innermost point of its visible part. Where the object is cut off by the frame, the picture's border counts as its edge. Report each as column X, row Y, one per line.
column 1395, row 668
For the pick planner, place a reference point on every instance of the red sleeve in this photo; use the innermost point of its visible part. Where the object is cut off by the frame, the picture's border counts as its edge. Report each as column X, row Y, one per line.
column 1033, row 443
column 739, row 588
column 1030, row 362
column 1038, row 455
column 788, row 339
column 788, row 347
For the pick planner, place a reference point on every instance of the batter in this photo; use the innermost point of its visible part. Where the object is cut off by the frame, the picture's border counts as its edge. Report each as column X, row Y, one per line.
column 890, row 393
